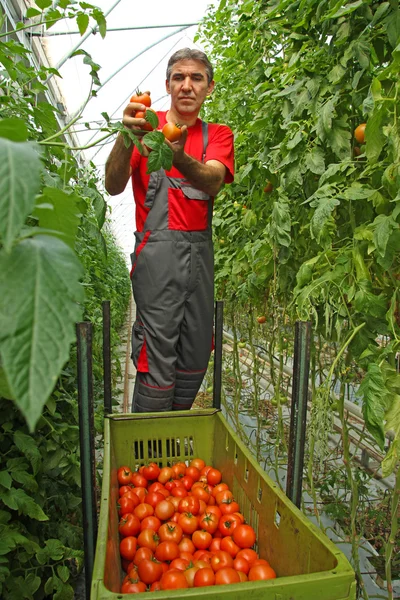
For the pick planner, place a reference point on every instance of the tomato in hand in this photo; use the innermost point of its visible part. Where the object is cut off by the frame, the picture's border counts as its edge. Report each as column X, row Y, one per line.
column 172, row 132
column 140, row 98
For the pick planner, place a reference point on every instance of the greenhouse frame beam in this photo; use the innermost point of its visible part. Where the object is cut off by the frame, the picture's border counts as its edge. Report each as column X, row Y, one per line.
column 95, row 29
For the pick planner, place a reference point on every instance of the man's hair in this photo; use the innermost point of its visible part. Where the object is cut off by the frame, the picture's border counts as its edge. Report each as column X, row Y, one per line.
column 190, row 54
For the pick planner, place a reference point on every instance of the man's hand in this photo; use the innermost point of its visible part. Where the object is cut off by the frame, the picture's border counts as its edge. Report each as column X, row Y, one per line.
column 178, row 147
column 130, row 121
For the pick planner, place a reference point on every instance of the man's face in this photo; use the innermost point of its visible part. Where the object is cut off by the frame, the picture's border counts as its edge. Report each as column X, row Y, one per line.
column 188, row 86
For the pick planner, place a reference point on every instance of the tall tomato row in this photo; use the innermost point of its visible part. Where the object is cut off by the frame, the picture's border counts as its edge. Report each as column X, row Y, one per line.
column 311, row 224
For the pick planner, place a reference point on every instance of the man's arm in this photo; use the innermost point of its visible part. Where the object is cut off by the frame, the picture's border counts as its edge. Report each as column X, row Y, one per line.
column 118, row 169
column 207, row 177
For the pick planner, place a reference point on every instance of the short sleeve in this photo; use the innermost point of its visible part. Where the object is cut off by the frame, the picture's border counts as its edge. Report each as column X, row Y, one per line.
column 220, row 147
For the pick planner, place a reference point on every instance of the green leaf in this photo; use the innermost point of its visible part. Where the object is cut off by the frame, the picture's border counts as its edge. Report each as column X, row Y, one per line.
column 315, row 161
column 10, row 539
column 5, row 391
column 380, row 11
column 17, row 499
column 35, row 342
column 14, row 129
column 393, row 27
column 392, row 425
column 20, row 169
column 28, row 446
column 5, row 479
column 383, row 229
column 325, row 116
column 63, row 573
column 101, row 22
column 374, row 396
column 324, row 208
column 32, row 12
column 57, row 210
column 374, row 135
column 280, row 225
column 345, row 10
column 82, row 20
column 151, row 117
column 43, row 3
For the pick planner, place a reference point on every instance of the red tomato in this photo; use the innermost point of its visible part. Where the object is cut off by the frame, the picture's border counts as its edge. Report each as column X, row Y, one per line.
column 172, row 131
column 201, row 539
column 187, row 556
column 141, row 554
column 215, row 545
column 214, row 477
column 150, row 523
column 229, row 507
column 223, row 496
column 179, row 563
column 241, row 564
column 201, row 493
column 186, row 545
column 167, row 551
column 179, row 469
column 229, row 546
column 139, row 481
column 193, row 473
column 140, row 98
column 179, row 492
column 261, row 572
column 155, row 587
column 133, row 587
column 198, row 463
column 204, row 577
column 165, row 475
column 188, row 522
column 153, row 498
column 189, row 504
column 148, row 538
column 140, row 492
column 143, row 510
column 129, row 525
column 209, row 522
column 221, row 487
column 227, row 524
column 173, row 580
column 164, row 510
column 152, row 471
column 248, row 554
column 187, row 482
column 190, row 574
column 220, row 560
column 214, row 509
column 150, row 570
column 156, row 486
column 244, row 536
column 124, row 475
column 170, row 532
column 126, row 505
column 127, row 547
column 226, row 576
column 124, row 488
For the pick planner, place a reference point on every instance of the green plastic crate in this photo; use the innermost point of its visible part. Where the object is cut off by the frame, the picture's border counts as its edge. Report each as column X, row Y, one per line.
column 308, row 565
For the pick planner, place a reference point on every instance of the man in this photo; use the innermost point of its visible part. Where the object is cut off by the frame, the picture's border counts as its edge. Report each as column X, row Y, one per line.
column 172, row 266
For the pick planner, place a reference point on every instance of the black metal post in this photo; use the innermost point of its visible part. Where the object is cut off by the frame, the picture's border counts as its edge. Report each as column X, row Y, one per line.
column 86, row 439
column 298, row 417
column 107, row 357
column 218, row 328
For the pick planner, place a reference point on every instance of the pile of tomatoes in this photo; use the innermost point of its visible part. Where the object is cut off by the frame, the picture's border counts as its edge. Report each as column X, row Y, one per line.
column 181, row 527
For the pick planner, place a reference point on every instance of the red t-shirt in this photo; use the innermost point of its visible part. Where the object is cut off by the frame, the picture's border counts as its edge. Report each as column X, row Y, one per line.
column 220, row 147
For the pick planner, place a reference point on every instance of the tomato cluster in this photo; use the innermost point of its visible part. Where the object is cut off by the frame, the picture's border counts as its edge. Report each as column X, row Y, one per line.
column 181, row 527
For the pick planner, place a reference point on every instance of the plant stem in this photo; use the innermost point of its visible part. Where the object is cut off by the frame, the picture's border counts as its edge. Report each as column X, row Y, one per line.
column 389, row 544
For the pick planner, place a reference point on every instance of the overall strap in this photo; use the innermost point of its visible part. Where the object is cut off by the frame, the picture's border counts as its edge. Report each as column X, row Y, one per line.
column 204, row 127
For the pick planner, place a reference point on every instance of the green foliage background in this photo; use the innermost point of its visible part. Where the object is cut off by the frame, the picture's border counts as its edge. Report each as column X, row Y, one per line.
column 58, row 262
